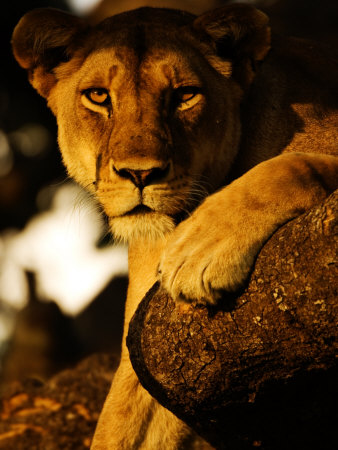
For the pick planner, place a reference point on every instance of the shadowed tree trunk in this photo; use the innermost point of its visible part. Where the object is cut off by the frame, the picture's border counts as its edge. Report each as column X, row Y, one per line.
column 258, row 371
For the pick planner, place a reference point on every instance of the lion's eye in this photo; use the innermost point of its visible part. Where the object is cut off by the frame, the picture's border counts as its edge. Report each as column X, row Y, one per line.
column 98, row 96
column 186, row 97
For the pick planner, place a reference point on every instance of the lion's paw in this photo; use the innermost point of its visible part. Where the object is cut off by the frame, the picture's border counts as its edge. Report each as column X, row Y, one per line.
column 204, row 256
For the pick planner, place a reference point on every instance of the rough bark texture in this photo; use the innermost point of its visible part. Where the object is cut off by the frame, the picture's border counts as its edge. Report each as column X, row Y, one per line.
column 59, row 414
column 259, row 371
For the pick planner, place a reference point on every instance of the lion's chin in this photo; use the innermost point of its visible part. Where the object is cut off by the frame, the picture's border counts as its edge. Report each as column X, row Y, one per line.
column 149, row 226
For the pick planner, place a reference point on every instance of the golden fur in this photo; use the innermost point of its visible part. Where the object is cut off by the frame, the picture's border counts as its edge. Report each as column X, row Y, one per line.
column 156, row 111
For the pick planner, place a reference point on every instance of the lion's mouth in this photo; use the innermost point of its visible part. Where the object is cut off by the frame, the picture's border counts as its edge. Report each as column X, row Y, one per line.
column 139, row 209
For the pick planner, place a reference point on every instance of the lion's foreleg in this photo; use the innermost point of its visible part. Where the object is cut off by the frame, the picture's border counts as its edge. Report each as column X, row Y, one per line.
column 132, row 419
column 219, row 242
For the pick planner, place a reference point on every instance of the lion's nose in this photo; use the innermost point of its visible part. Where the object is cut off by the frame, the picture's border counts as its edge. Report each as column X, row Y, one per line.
column 142, row 178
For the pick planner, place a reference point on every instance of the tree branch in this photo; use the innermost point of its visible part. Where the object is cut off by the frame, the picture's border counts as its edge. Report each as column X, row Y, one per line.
column 259, row 371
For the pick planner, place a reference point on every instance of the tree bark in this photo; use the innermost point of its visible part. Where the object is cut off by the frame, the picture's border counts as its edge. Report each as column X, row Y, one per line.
column 258, row 371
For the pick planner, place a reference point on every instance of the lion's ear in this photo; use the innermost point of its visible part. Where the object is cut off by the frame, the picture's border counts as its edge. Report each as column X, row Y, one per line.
column 240, row 33
column 42, row 39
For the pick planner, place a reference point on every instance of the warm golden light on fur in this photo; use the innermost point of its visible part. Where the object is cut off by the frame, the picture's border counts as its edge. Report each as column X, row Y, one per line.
column 149, row 227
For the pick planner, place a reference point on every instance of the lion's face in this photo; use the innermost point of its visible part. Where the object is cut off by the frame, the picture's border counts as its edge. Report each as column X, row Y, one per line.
column 150, row 135
column 147, row 119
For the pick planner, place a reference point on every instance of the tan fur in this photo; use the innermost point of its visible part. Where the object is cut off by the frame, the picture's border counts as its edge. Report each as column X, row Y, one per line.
column 254, row 104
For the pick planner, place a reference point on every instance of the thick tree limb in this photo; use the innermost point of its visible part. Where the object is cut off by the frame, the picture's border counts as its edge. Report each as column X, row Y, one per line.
column 260, row 370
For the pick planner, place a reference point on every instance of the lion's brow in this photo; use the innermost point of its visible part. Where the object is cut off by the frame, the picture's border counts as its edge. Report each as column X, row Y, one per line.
column 112, row 72
column 139, row 43
column 140, row 48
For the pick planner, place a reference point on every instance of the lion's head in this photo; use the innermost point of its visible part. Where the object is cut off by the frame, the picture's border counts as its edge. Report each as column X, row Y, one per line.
column 147, row 103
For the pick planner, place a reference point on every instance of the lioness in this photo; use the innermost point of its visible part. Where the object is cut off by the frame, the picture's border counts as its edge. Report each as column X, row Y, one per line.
column 157, row 111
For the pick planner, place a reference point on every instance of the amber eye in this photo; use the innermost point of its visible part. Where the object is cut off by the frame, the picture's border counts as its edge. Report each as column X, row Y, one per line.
column 98, row 96
column 185, row 97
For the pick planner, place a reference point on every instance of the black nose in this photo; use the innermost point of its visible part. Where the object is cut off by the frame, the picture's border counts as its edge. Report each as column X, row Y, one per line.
column 142, row 178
